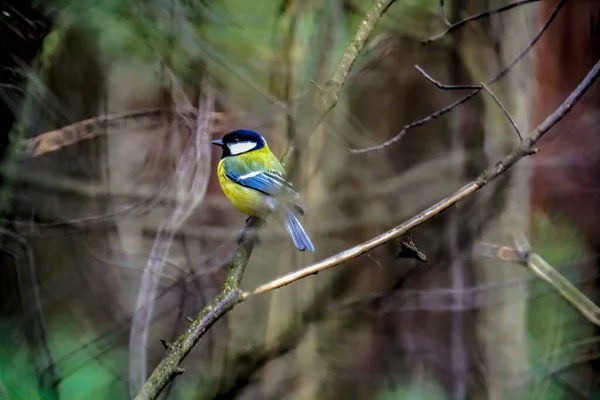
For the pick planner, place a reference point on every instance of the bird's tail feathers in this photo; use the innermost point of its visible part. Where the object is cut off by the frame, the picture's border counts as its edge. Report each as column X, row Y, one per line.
column 297, row 207
column 295, row 229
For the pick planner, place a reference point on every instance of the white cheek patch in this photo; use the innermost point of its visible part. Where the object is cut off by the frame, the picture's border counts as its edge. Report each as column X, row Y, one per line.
column 242, row 147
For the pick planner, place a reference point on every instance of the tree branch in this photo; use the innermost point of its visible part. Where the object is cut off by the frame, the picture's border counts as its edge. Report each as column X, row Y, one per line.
column 443, row 14
column 546, row 272
column 469, row 96
column 230, row 294
column 169, row 366
column 581, row 302
column 504, row 110
column 331, row 91
column 461, row 23
column 525, row 148
column 90, row 128
column 442, row 85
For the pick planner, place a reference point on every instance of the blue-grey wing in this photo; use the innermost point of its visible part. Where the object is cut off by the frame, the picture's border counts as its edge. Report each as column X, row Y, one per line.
column 269, row 183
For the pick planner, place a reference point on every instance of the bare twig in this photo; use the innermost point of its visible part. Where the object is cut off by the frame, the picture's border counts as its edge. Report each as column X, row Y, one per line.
column 487, row 176
column 191, row 174
column 502, row 253
column 330, row 93
column 469, row 96
column 461, row 23
column 230, row 294
column 443, row 14
column 546, row 272
column 444, row 86
column 534, row 40
column 565, row 288
column 504, row 110
column 414, row 124
column 94, row 127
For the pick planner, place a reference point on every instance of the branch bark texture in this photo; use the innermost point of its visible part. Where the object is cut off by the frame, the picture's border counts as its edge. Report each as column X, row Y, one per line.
column 331, row 91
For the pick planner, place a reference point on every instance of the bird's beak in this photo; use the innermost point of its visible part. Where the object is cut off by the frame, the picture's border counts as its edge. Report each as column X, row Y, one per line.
column 218, row 143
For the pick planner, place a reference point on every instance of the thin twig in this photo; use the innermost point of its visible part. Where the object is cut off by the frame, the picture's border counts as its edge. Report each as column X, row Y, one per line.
column 446, row 109
column 461, row 23
column 442, row 85
column 94, row 127
column 524, row 149
column 581, row 302
column 414, row 124
column 191, row 174
column 534, row 40
column 331, row 91
column 504, row 110
column 546, row 272
column 230, row 294
column 443, row 14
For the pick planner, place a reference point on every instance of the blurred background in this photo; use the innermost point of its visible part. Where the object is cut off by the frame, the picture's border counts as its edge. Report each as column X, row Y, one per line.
column 115, row 230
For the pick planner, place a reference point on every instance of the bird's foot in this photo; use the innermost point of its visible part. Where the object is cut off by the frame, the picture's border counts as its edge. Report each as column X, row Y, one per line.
column 248, row 232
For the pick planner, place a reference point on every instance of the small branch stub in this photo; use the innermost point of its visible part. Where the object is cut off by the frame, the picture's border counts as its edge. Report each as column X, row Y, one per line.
column 166, row 344
column 329, row 96
column 408, row 249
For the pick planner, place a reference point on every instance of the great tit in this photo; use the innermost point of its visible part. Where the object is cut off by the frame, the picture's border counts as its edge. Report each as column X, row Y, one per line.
column 254, row 180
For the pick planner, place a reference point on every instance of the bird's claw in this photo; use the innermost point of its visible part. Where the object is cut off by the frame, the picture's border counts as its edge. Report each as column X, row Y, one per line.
column 246, row 231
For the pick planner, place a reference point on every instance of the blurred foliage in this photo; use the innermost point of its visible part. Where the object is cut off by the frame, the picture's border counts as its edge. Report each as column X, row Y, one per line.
column 420, row 391
column 235, row 38
column 89, row 374
column 552, row 322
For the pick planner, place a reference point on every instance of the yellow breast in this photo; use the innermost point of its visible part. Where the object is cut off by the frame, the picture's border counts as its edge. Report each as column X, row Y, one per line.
column 248, row 201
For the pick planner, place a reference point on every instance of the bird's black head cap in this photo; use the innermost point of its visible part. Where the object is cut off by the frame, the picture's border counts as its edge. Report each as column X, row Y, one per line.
column 239, row 137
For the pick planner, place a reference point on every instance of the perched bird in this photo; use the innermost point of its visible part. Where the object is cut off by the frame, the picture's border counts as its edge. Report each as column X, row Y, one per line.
column 254, row 180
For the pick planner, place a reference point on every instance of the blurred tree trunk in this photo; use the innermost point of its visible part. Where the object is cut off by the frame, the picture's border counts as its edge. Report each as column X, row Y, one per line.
column 23, row 29
column 565, row 181
column 502, row 328
column 569, row 165
column 66, row 86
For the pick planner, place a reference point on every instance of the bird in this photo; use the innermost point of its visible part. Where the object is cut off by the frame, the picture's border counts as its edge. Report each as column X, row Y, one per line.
column 254, row 181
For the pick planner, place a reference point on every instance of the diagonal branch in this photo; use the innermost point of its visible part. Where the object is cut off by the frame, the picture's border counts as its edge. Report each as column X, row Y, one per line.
column 331, row 91
column 461, row 23
column 581, row 302
column 443, row 14
column 503, row 108
column 546, row 272
column 442, row 85
column 525, row 148
column 94, row 127
column 231, row 294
